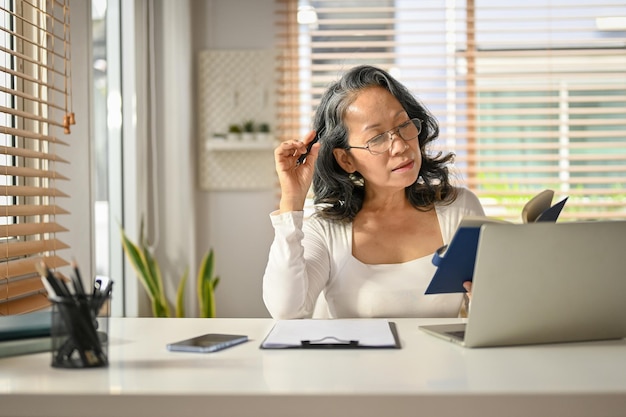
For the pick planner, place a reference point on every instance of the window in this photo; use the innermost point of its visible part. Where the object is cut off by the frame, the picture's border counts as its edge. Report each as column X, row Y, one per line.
column 36, row 110
column 528, row 96
column 101, row 87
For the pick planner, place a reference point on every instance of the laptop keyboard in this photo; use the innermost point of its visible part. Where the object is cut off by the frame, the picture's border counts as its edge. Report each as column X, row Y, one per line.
column 458, row 334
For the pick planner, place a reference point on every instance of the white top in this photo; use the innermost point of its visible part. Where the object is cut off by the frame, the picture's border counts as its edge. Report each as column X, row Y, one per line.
column 313, row 257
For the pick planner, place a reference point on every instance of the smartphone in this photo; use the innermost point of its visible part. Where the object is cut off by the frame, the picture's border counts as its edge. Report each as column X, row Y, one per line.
column 211, row 342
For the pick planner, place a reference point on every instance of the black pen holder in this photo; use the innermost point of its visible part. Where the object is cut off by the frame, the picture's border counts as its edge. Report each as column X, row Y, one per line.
column 79, row 331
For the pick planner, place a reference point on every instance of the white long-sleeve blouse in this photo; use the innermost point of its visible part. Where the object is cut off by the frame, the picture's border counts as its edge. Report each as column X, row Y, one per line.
column 313, row 256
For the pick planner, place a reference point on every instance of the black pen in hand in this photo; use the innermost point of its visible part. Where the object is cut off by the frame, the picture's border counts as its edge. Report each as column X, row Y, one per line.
column 302, row 157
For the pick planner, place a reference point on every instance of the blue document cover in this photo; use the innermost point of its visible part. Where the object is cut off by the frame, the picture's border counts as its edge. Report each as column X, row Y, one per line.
column 25, row 346
column 455, row 261
column 461, row 252
column 20, row 326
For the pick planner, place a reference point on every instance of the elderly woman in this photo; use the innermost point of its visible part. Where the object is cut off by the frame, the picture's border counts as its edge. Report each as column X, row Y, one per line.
column 383, row 205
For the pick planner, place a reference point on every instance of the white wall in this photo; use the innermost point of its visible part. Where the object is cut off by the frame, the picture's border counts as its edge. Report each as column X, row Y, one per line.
column 234, row 223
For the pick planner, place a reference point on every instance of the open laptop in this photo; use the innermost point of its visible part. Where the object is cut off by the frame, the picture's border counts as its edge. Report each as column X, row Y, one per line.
column 545, row 283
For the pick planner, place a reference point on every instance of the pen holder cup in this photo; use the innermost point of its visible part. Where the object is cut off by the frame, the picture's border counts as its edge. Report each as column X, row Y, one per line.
column 80, row 326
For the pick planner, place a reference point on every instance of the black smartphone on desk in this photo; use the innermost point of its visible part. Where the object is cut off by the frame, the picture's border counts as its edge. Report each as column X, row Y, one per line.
column 211, row 342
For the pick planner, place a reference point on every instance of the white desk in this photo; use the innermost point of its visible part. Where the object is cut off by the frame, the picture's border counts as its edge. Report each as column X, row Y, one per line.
column 427, row 376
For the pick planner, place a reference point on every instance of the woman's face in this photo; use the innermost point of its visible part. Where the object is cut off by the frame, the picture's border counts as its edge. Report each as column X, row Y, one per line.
column 375, row 111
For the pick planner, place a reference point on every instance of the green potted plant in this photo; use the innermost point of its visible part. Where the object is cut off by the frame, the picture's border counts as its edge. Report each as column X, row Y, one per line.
column 234, row 132
column 248, row 130
column 149, row 274
column 264, row 132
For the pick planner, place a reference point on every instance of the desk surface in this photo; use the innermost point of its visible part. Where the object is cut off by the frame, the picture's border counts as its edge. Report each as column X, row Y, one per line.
column 427, row 376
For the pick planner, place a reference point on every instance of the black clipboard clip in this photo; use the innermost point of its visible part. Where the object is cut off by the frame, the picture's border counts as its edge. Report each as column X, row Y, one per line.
column 329, row 342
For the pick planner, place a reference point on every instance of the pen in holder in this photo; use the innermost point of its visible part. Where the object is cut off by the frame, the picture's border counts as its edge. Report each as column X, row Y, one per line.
column 79, row 322
column 79, row 332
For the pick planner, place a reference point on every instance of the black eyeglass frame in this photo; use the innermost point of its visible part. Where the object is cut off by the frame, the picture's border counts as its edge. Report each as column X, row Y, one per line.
column 391, row 132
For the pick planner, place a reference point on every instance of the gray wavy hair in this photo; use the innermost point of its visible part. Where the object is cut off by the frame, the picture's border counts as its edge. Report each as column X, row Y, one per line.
column 338, row 194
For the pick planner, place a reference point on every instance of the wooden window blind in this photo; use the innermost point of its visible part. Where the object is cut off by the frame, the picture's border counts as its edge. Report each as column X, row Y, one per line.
column 529, row 95
column 35, row 110
column 288, row 119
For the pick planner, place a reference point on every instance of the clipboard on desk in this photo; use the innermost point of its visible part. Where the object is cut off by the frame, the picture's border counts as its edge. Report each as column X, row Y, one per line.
column 332, row 334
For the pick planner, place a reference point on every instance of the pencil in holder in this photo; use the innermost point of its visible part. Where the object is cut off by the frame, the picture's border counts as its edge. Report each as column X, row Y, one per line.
column 80, row 325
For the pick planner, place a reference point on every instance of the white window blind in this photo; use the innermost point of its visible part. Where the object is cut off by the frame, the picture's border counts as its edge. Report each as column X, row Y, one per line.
column 529, row 95
column 35, row 110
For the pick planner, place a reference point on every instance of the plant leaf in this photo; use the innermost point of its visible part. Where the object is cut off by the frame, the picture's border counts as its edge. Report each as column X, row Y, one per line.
column 210, row 303
column 138, row 262
column 149, row 274
column 156, row 276
column 205, row 286
column 153, row 271
column 180, row 295
column 159, row 310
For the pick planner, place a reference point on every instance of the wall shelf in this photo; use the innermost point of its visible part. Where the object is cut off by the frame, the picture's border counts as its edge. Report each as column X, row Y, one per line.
column 235, row 86
column 217, row 145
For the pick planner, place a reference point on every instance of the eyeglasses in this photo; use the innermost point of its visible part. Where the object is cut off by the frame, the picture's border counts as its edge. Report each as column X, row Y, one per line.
column 380, row 144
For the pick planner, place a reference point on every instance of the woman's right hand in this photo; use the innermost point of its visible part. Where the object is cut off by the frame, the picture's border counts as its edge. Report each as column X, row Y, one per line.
column 295, row 179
